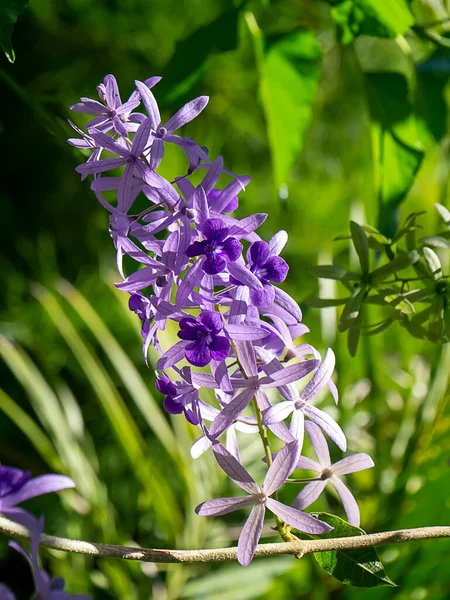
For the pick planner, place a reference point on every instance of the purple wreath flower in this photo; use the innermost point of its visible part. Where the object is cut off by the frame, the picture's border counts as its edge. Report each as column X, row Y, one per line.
column 259, row 498
column 329, row 473
column 46, row 588
column 16, row 486
column 218, row 248
column 268, row 269
column 180, row 396
column 204, row 333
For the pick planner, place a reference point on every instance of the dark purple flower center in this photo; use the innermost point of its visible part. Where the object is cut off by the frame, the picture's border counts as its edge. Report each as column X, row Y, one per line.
column 326, row 474
column 12, row 480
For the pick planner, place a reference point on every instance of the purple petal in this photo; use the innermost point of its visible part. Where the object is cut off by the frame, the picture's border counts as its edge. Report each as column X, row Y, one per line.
column 214, row 264
column 223, row 506
column 327, row 424
column 229, row 193
column 352, row 464
column 212, row 320
column 250, row 534
column 283, row 465
column 321, row 376
column 39, row 486
column 105, row 141
column 138, row 281
column 6, row 593
column 333, row 389
column 151, row 106
column 188, row 112
column 258, row 253
column 200, row 204
column 309, row 494
column 232, row 443
column 247, row 358
column 124, row 191
column 141, row 138
column 232, row 249
column 278, row 242
column 308, row 463
column 276, row 269
column 264, row 297
column 200, row 446
column 348, row 501
column 213, row 174
column 215, row 230
column 279, row 412
column 89, row 107
column 239, row 307
column 319, row 444
column 157, row 153
column 300, row 520
column 286, row 302
column 219, row 347
column 100, row 166
column 229, row 414
column 297, row 426
column 112, row 91
column 289, row 374
column 205, row 380
column 244, row 275
column 235, row 470
column 198, row 354
column 191, row 280
column 244, row 332
column 197, row 249
column 172, row 356
column 246, row 226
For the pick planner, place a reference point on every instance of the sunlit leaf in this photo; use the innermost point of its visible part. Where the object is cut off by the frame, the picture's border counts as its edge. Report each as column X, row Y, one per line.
column 361, row 244
column 10, row 10
column 290, row 70
column 358, row 567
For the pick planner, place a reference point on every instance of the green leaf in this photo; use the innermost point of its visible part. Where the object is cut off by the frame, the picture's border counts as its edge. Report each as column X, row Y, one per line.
column 398, row 264
column 398, row 143
column 325, row 302
column 380, row 18
column 352, row 309
column 354, row 333
column 333, row 272
column 361, row 244
column 290, row 69
column 9, row 13
column 359, row 567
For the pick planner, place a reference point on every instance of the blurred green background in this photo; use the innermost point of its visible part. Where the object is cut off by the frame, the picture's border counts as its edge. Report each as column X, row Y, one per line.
column 292, row 104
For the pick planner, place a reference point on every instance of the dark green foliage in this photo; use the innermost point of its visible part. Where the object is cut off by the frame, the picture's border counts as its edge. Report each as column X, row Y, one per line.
column 10, row 10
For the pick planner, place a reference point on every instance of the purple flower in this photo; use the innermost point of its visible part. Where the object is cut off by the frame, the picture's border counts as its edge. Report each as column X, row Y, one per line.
column 218, row 248
column 46, row 588
column 16, row 486
column 268, row 269
column 259, row 499
column 330, row 474
column 204, row 333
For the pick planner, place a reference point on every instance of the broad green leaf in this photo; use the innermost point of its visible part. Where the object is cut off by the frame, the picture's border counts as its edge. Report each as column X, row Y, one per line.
column 358, row 567
column 191, row 57
column 290, row 69
column 380, row 18
column 398, row 143
column 10, row 10
column 433, row 263
column 332, row 272
column 361, row 244
column 398, row 264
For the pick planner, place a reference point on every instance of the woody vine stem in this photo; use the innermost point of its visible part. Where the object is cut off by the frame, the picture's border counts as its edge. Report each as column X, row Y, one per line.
column 298, row 548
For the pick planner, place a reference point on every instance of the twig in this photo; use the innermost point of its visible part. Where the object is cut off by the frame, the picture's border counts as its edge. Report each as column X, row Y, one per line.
column 298, row 548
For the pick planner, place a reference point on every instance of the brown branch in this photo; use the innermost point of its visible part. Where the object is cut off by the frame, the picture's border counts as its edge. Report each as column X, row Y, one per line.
column 299, row 548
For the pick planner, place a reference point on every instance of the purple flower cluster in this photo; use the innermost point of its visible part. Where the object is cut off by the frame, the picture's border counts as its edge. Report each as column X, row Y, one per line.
column 201, row 267
column 17, row 486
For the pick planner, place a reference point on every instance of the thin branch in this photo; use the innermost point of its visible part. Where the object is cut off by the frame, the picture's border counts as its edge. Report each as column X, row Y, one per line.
column 299, row 548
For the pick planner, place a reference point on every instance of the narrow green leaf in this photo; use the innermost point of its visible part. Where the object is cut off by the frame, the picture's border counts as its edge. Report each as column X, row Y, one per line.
column 358, row 567
column 290, row 69
column 10, row 10
column 354, row 333
column 374, row 330
column 398, row 264
column 361, row 244
column 352, row 309
column 332, row 272
column 325, row 302
column 433, row 263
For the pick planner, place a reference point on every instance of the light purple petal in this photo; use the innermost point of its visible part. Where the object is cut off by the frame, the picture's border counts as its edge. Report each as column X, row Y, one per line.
column 223, row 506
column 286, row 302
column 309, row 494
column 348, row 501
column 297, row 426
column 247, row 358
column 319, row 444
column 320, row 377
column 105, row 141
column 327, row 424
column 278, row 242
column 138, row 280
column 295, row 518
column 250, row 534
column 213, row 174
column 191, row 280
column 186, row 113
column 200, row 204
column 6, row 593
column 352, row 464
column 229, row 414
column 244, row 275
column 151, row 106
column 124, row 191
column 307, row 463
column 38, row 486
column 245, row 226
column 89, row 107
column 278, row 412
column 289, row 374
column 157, row 153
column 333, row 389
column 100, row 166
column 200, row 446
column 283, row 465
column 235, row 470
column 205, row 380
column 141, row 138
column 239, row 307
column 229, row 192
column 172, row 356
column 244, row 332
column 232, row 443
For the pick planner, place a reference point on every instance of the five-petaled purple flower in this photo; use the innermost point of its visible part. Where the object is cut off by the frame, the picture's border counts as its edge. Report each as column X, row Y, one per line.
column 205, row 334
column 218, row 248
column 268, row 268
column 259, row 498
column 330, row 473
